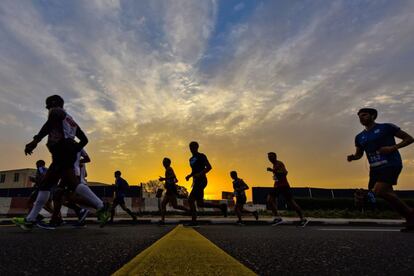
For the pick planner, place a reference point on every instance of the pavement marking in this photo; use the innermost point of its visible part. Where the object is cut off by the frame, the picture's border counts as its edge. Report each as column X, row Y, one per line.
column 360, row 229
column 183, row 251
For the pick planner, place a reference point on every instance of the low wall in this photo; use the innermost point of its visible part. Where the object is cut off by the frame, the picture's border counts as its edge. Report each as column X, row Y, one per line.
column 13, row 206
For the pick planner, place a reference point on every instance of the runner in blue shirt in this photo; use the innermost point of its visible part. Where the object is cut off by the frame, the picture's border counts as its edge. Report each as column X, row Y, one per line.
column 200, row 166
column 378, row 143
column 121, row 188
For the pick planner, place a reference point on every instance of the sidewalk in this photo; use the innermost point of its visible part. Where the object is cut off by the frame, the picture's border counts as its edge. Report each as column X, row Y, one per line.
column 216, row 220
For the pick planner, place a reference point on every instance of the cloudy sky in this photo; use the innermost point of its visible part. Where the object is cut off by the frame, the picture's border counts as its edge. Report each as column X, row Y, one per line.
column 144, row 78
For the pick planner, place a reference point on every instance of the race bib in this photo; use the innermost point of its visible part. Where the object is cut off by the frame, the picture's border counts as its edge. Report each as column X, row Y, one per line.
column 376, row 159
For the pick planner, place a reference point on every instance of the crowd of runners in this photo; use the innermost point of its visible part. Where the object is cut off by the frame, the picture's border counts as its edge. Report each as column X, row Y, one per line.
column 64, row 182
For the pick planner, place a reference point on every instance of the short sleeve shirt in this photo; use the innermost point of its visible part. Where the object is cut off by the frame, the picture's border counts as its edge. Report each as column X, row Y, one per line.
column 198, row 163
column 170, row 179
column 121, row 187
column 370, row 141
column 280, row 175
column 237, row 185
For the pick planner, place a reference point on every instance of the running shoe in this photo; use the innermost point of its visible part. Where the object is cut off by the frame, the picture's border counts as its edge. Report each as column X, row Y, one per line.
column 256, row 215
column 303, row 222
column 47, row 226
column 223, row 208
column 40, row 217
column 23, row 223
column 104, row 214
column 83, row 213
column 239, row 222
column 277, row 221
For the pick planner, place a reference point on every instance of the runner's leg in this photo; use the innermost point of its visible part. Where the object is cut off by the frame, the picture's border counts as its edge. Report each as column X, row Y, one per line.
column 292, row 203
column 51, row 178
column 271, row 202
column 164, row 207
column 126, row 209
column 114, row 204
column 191, row 203
column 173, row 201
column 238, row 211
column 386, row 191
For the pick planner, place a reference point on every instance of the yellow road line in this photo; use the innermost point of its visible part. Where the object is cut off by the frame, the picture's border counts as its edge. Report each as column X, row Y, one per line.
column 183, row 251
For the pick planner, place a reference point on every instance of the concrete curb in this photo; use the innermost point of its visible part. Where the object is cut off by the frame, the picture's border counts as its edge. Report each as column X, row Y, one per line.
column 232, row 221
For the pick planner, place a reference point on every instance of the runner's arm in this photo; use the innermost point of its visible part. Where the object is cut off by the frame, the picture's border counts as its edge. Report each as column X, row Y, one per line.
column 406, row 138
column 85, row 157
column 206, row 169
column 245, row 186
column 357, row 155
column 44, row 131
column 83, row 140
column 56, row 115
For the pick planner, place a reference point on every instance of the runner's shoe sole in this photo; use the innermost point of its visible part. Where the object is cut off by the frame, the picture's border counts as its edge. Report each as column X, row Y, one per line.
column 45, row 226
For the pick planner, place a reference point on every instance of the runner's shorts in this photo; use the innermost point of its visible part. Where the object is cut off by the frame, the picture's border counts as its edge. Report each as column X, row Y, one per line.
column 119, row 200
column 241, row 200
column 198, row 188
column 171, row 189
column 387, row 175
column 284, row 191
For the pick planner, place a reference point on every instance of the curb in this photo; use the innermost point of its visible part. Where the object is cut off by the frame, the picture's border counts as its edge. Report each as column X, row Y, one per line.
column 149, row 221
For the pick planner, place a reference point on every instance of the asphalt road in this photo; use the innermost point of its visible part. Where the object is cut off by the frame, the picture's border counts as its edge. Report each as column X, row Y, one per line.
column 285, row 250
column 288, row 250
column 68, row 251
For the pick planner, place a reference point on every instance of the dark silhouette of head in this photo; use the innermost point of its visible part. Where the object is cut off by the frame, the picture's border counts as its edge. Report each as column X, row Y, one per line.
column 117, row 174
column 40, row 163
column 233, row 174
column 166, row 162
column 54, row 101
column 272, row 157
column 194, row 147
column 367, row 116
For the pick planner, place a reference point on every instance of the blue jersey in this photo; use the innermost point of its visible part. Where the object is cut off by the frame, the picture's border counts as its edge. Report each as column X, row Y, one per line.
column 381, row 135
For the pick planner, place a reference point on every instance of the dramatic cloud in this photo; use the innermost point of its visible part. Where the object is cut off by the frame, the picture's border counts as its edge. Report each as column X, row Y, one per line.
column 144, row 78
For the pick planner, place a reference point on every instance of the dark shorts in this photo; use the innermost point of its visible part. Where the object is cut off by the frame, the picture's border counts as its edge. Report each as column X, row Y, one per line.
column 171, row 189
column 198, row 189
column 241, row 200
column 284, row 191
column 171, row 192
column 118, row 200
column 64, row 155
column 387, row 175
